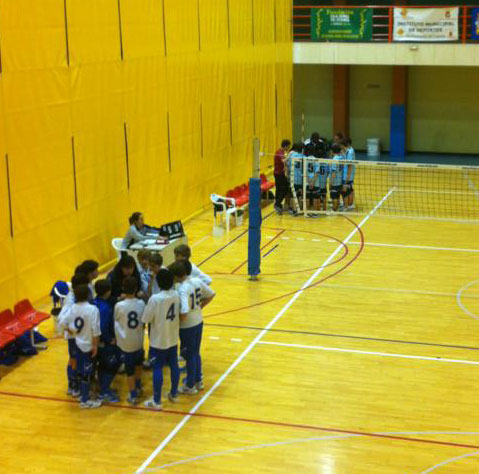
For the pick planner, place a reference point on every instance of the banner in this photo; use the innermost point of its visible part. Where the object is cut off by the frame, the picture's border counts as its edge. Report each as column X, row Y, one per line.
column 343, row 24
column 475, row 23
column 426, row 24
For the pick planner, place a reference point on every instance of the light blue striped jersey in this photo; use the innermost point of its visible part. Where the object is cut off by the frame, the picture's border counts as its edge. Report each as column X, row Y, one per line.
column 298, row 168
column 337, row 170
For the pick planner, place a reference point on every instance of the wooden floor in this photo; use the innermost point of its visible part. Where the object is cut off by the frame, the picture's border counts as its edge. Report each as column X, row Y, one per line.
column 356, row 352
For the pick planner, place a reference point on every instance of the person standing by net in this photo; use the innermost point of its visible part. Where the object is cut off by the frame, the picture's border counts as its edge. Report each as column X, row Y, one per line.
column 280, row 179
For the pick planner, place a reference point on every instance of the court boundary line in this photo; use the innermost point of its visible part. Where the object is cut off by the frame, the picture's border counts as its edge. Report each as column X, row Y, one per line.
column 357, row 351
column 257, row 421
column 344, row 336
column 419, row 247
column 288, row 442
column 253, row 343
column 449, row 461
column 459, row 299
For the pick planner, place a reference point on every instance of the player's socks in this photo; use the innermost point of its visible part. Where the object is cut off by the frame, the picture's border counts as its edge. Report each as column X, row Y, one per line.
column 138, row 384
column 105, row 382
column 71, row 377
column 133, row 394
column 157, row 383
column 85, row 391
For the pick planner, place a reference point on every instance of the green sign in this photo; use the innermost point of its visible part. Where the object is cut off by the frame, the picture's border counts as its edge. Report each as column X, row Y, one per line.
column 341, row 24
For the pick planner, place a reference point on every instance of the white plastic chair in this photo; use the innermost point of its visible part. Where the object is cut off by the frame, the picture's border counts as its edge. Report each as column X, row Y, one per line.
column 220, row 205
column 117, row 244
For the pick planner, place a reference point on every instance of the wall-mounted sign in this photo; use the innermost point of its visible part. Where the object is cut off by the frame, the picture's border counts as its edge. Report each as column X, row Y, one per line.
column 426, row 24
column 341, row 24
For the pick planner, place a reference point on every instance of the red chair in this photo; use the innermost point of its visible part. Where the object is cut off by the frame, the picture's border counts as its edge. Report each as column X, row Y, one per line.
column 9, row 324
column 5, row 339
column 265, row 184
column 25, row 312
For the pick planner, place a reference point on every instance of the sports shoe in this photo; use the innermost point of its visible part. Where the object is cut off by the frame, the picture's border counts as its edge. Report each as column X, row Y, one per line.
column 185, row 390
column 200, row 385
column 132, row 401
column 351, row 207
column 121, row 369
column 173, row 399
column 146, row 364
column 90, row 404
column 278, row 209
column 152, row 404
column 73, row 392
column 110, row 397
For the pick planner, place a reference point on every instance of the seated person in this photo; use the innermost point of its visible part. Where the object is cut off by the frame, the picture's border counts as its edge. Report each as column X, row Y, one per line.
column 137, row 231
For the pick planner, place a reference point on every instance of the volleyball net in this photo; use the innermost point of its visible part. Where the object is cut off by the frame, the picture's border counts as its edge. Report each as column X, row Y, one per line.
column 321, row 186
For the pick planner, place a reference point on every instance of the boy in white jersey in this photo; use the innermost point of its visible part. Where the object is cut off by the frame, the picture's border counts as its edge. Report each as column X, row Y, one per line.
column 84, row 323
column 129, row 336
column 72, row 375
column 155, row 263
column 163, row 314
column 143, row 257
column 194, row 295
column 182, row 253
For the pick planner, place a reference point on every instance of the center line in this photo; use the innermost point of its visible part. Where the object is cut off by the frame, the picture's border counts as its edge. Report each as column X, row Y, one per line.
column 258, row 338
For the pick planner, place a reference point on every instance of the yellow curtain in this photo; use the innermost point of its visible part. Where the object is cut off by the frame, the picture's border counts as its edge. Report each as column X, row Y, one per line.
column 113, row 106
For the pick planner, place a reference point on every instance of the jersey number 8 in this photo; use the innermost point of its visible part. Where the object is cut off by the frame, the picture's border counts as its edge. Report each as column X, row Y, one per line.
column 133, row 320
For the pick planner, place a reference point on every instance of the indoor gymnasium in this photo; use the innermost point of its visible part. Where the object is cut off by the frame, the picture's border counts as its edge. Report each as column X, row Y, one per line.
column 239, row 236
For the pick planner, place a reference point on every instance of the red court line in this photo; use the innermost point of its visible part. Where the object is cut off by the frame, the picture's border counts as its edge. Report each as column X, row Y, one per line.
column 256, row 421
column 313, row 285
column 303, row 270
column 216, row 252
column 262, row 248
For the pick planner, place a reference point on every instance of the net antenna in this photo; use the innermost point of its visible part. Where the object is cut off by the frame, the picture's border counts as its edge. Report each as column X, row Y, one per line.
column 254, row 227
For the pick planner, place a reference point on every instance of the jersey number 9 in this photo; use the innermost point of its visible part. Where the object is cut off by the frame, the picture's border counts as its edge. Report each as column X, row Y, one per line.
column 79, row 323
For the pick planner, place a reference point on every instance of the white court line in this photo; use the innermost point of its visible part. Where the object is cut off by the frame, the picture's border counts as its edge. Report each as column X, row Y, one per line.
column 449, row 461
column 382, row 354
column 420, row 247
column 198, row 242
column 459, row 299
column 214, row 338
column 316, row 240
column 287, row 442
column 234, row 339
column 255, row 341
column 285, row 238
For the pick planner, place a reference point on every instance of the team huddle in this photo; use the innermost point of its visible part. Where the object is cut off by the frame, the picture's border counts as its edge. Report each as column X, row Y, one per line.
column 106, row 332
column 304, row 159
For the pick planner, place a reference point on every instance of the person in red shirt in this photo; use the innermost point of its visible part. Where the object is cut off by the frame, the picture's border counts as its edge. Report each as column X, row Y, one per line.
column 280, row 179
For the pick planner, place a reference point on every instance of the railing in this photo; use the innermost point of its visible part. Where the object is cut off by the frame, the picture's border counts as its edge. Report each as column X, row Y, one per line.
column 383, row 17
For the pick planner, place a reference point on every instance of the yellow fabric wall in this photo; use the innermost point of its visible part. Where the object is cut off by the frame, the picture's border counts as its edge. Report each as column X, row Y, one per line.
column 167, row 90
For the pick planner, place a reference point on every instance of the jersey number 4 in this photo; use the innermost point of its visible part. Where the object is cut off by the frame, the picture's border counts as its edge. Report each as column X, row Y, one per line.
column 171, row 313
column 133, row 320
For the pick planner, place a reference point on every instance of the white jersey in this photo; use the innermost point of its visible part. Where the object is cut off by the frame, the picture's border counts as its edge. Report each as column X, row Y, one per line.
column 129, row 330
column 84, row 321
column 197, row 273
column 192, row 291
column 64, row 313
column 163, row 312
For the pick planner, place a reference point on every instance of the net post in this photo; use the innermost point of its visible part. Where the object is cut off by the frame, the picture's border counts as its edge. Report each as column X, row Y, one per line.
column 254, row 205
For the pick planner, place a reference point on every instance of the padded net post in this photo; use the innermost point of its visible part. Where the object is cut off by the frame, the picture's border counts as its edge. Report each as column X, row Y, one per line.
column 254, row 229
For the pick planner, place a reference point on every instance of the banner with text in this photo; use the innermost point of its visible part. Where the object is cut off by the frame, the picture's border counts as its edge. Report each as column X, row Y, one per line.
column 475, row 24
column 426, row 24
column 342, row 24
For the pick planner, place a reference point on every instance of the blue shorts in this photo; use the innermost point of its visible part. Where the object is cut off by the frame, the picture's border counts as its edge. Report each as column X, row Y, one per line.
column 132, row 360
column 72, row 348
column 162, row 357
column 84, row 363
